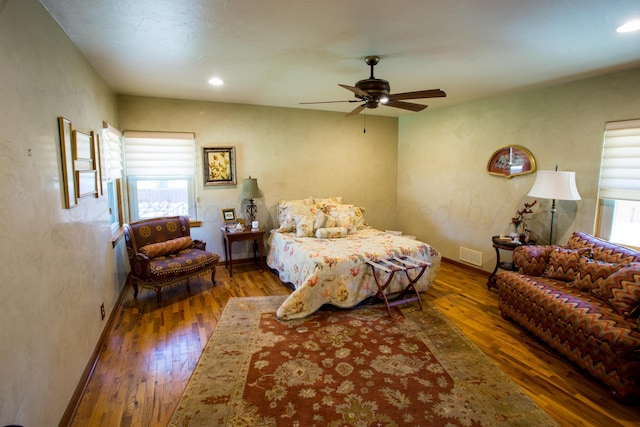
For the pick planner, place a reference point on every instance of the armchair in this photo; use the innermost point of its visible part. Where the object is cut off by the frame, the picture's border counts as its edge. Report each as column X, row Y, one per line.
column 161, row 253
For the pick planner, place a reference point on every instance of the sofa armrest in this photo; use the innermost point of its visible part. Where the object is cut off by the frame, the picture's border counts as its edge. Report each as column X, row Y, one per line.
column 532, row 259
column 141, row 265
column 199, row 244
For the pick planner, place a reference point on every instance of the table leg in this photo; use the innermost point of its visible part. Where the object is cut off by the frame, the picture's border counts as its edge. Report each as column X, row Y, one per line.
column 229, row 257
column 491, row 282
column 261, row 246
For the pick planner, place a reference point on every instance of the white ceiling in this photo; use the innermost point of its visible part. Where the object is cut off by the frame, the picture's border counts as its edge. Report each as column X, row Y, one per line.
column 283, row 52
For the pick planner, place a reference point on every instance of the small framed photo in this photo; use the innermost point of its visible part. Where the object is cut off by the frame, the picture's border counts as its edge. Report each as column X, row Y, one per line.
column 229, row 215
column 219, row 165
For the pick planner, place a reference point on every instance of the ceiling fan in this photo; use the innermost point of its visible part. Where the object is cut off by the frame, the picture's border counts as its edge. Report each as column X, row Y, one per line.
column 372, row 91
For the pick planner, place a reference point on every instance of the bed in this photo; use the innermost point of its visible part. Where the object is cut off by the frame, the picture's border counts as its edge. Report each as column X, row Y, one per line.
column 322, row 247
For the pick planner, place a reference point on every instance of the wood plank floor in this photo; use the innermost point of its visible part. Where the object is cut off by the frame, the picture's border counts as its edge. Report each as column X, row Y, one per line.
column 151, row 352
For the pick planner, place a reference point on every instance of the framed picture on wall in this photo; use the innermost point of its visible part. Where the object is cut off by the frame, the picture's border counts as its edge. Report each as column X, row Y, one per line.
column 66, row 152
column 219, row 165
column 83, row 151
column 510, row 161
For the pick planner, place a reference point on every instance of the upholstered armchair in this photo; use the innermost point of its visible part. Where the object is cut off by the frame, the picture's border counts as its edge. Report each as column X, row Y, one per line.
column 161, row 253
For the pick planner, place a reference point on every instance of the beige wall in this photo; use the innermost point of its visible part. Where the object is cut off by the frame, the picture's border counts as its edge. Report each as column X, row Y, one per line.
column 57, row 264
column 446, row 197
column 293, row 153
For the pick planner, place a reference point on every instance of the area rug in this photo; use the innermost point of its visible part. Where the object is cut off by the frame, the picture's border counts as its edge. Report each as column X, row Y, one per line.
column 356, row 367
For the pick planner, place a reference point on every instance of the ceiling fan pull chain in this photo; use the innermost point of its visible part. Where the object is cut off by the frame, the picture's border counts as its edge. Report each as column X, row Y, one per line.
column 364, row 122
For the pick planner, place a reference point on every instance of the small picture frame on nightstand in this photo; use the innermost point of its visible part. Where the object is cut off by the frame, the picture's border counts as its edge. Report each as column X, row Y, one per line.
column 228, row 215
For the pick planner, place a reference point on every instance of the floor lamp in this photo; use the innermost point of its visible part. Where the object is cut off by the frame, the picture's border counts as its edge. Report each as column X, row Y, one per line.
column 555, row 185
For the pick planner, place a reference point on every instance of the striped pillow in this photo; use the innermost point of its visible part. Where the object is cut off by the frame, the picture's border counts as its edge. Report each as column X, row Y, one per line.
column 592, row 272
column 564, row 263
column 621, row 290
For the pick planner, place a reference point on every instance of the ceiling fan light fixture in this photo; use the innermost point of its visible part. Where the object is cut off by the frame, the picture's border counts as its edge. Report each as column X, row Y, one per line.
column 384, row 99
column 629, row 27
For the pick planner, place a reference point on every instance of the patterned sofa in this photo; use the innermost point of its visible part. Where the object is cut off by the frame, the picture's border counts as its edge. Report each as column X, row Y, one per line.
column 583, row 300
column 161, row 252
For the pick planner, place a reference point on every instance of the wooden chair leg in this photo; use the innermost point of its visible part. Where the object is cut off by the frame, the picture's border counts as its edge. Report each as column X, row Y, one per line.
column 213, row 275
column 159, row 296
column 135, row 289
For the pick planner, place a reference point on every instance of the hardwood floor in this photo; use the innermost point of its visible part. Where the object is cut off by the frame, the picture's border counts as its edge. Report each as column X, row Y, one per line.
column 151, row 352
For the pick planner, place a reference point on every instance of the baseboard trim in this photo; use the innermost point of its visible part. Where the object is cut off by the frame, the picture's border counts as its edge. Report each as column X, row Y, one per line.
column 466, row 266
column 72, row 407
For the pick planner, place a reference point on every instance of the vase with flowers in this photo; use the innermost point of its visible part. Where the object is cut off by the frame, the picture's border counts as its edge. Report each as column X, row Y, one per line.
column 520, row 221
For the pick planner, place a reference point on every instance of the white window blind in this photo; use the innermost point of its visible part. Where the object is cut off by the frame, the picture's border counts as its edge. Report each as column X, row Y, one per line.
column 160, row 153
column 113, row 151
column 620, row 171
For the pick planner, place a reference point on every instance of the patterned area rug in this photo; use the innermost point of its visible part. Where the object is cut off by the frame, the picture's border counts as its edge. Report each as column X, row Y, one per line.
column 347, row 368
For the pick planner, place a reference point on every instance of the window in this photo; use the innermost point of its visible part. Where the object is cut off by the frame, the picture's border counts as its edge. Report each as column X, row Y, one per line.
column 113, row 174
column 619, row 193
column 160, row 170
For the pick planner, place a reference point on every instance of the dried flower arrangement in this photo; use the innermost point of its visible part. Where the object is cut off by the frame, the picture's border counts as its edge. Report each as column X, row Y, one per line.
column 521, row 216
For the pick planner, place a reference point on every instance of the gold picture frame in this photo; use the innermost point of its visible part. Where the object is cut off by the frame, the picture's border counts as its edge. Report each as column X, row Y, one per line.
column 510, row 161
column 66, row 154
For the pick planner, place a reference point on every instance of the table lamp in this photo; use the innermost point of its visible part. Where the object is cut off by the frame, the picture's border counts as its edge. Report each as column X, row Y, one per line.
column 555, row 185
column 250, row 191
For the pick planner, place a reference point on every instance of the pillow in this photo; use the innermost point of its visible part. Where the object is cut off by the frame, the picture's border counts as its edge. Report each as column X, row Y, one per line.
column 344, row 219
column 592, row 272
column 354, row 211
column 324, row 221
column 153, row 250
column 331, row 233
column 304, row 225
column 328, row 201
column 289, row 212
column 621, row 290
column 564, row 263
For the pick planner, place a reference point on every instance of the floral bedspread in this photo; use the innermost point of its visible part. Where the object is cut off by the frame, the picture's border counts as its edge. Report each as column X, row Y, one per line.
column 334, row 271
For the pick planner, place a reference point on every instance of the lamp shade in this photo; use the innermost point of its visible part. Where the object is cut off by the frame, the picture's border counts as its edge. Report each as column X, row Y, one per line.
column 250, row 189
column 556, row 185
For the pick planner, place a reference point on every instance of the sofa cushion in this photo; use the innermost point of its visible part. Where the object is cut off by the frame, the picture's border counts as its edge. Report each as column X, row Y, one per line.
column 178, row 264
column 592, row 272
column 153, row 250
column 564, row 263
column 621, row 290
column 602, row 250
column 532, row 259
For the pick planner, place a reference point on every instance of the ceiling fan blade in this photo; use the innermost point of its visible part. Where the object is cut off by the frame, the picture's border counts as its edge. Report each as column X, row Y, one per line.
column 406, row 105
column 357, row 91
column 356, row 110
column 330, row 102
column 432, row 93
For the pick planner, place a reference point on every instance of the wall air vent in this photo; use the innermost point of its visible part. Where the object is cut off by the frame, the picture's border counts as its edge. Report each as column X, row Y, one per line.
column 470, row 256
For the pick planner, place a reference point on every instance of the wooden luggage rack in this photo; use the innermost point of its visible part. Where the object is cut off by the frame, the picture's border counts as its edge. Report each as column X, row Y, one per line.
column 391, row 266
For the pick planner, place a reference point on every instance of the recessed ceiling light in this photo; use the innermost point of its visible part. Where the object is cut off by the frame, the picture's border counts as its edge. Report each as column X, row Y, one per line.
column 215, row 81
column 629, row 26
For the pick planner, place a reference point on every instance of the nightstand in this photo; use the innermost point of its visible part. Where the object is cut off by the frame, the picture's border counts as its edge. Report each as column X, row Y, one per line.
column 229, row 237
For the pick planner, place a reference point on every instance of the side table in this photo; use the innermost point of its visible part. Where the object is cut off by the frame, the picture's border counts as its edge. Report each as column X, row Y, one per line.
column 506, row 246
column 229, row 237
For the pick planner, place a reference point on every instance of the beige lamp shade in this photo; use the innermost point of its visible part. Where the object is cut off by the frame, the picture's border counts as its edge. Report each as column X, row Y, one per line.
column 556, row 185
